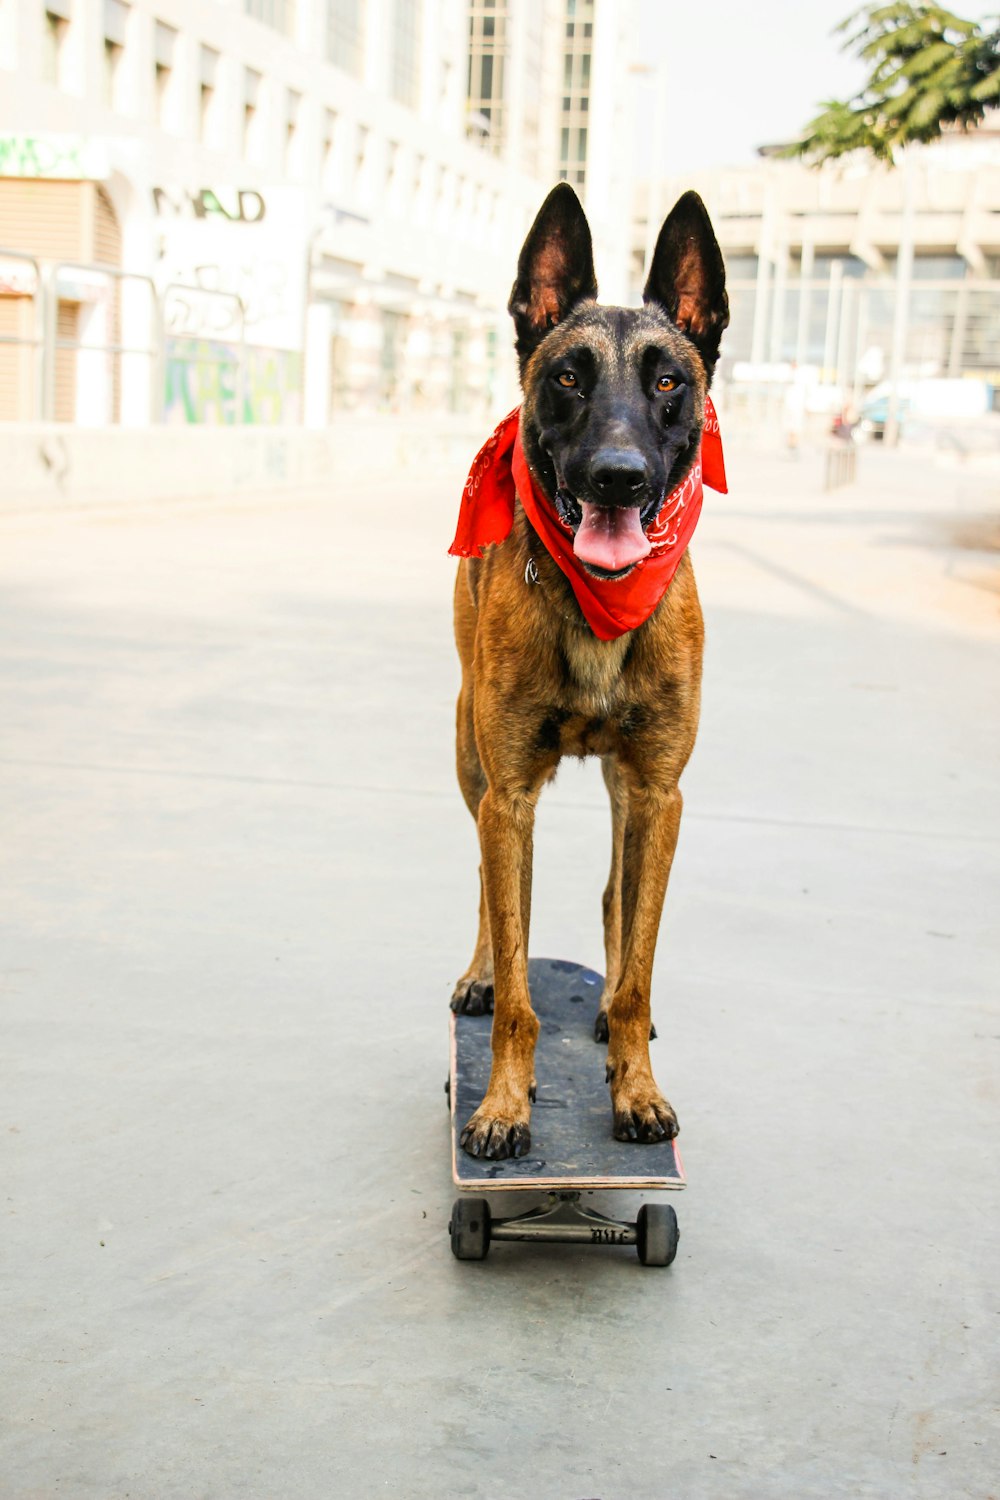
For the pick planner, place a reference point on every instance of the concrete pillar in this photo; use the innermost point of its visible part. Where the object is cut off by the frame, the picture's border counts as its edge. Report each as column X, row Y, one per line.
column 806, row 269
column 83, row 55
column 860, row 340
column 904, row 278
column 958, row 331
column 848, row 305
column 758, row 341
column 832, row 320
column 778, row 303
column 765, row 252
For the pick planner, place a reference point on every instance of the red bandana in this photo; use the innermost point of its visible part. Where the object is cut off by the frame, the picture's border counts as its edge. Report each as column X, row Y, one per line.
column 612, row 606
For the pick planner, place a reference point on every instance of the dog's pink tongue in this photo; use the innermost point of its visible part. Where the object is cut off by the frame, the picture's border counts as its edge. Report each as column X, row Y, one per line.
column 610, row 537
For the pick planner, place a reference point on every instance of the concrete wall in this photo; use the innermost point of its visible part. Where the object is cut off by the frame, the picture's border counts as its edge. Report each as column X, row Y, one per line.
column 52, row 465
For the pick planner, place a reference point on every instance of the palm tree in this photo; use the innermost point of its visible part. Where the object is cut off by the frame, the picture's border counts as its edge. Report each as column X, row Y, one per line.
column 930, row 69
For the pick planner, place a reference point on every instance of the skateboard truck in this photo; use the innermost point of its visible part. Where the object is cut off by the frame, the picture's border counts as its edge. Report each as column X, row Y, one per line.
column 564, row 1220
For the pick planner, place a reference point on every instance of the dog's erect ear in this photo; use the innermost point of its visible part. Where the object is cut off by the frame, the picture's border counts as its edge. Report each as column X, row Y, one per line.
column 688, row 277
column 555, row 270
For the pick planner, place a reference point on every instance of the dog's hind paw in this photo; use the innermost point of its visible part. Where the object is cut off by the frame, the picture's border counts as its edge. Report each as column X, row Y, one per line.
column 601, row 1028
column 473, row 997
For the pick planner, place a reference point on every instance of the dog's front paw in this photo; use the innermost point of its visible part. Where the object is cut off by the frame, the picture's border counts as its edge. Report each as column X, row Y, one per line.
column 495, row 1135
column 473, row 997
column 640, row 1111
column 650, row 1122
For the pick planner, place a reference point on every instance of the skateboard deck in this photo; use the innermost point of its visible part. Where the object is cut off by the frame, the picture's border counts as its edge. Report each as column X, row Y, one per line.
column 572, row 1146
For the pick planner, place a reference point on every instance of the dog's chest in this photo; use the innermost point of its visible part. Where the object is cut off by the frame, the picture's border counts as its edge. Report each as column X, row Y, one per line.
column 594, row 670
column 595, row 696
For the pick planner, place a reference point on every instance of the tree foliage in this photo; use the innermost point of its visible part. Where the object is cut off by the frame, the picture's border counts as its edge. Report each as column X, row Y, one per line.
column 929, row 69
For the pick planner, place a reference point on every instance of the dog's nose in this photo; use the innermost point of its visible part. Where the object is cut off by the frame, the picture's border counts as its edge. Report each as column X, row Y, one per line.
column 619, row 475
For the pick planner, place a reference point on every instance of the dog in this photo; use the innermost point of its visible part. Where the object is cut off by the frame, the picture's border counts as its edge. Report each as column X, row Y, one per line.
column 611, row 423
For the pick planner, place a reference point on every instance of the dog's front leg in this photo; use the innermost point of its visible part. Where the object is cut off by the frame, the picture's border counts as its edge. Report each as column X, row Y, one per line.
column 500, row 1126
column 640, row 1111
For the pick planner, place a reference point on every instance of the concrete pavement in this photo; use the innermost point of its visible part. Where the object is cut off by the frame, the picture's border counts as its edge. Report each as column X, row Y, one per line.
column 238, row 885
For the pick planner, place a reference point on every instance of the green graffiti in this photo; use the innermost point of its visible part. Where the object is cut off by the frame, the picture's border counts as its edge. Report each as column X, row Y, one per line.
column 36, row 156
column 206, row 384
column 210, row 204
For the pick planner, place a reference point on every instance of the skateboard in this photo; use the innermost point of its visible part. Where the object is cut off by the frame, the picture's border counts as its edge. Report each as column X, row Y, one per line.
column 572, row 1148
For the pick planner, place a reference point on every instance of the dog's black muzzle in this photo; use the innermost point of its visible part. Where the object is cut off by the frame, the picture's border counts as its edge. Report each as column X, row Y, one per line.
column 618, row 476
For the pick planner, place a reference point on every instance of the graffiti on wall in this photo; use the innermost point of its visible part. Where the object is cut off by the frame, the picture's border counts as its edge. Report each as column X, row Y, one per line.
column 236, row 243
column 214, row 299
column 200, row 312
column 232, row 266
column 234, row 205
column 211, row 381
column 68, row 157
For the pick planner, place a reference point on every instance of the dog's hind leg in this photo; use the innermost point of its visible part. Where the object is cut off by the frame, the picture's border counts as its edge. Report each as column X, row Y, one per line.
column 612, row 900
column 473, row 994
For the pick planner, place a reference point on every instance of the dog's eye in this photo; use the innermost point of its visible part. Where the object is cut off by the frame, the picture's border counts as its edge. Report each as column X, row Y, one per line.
column 666, row 383
column 567, row 379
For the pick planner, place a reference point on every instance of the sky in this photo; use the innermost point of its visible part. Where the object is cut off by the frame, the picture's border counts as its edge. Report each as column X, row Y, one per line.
column 744, row 73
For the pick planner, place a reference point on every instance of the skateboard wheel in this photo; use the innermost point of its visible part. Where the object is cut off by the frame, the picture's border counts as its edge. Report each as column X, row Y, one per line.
column 470, row 1228
column 656, row 1234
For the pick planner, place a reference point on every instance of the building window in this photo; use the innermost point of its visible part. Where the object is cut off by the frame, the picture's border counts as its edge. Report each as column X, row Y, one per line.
column 361, row 159
column 112, row 62
column 57, row 17
column 293, row 134
column 164, row 49
column 345, row 34
column 486, row 117
column 115, row 27
column 404, row 72
column 251, row 109
column 277, row 13
column 485, row 121
column 329, row 164
column 575, row 112
column 209, row 67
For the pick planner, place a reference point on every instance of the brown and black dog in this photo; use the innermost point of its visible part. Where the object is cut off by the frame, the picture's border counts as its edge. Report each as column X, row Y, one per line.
column 613, row 409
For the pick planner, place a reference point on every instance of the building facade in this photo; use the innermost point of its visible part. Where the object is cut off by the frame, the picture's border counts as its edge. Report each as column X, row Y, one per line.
column 855, row 270
column 199, row 199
